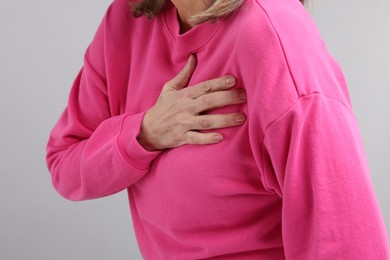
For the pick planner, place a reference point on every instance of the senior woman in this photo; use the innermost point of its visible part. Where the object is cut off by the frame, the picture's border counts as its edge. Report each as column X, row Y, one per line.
column 231, row 127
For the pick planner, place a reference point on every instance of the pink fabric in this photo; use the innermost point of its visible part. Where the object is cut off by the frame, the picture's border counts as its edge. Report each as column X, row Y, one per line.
column 291, row 183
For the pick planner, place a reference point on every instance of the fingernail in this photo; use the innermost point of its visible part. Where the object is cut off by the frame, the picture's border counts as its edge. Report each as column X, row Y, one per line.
column 192, row 56
column 189, row 59
column 243, row 95
column 218, row 137
column 240, row 118
column 230, row 81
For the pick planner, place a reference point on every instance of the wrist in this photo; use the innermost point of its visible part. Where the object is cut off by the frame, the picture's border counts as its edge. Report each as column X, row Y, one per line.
column 142, row 137
column 145, row 144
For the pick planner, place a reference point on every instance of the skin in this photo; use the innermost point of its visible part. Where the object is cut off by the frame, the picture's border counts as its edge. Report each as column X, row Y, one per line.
column 176, row 117
column 187, row 8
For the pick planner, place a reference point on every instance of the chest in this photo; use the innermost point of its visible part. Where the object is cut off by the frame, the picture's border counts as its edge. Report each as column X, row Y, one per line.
column 199, row 183
column 211, row 180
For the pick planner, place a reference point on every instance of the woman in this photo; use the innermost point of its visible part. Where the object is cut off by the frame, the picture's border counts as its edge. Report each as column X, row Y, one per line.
column 231, row 127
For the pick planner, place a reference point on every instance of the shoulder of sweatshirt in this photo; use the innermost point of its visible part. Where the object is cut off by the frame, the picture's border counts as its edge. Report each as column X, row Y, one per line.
column 278, row 46
column 119, row 17
column 283, row 41
column 112, row 34
column 110, row 51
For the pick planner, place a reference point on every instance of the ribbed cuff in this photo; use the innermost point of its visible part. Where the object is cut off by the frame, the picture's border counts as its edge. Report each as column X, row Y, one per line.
column 131, row 151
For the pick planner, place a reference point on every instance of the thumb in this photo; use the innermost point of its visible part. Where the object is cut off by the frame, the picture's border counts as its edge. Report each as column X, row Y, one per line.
column 181, row 80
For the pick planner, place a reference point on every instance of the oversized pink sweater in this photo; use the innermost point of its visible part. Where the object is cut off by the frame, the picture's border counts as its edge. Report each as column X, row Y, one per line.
column 291, row 183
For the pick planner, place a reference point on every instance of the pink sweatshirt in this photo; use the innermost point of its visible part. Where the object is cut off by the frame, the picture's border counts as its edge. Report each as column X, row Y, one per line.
column 291, row 183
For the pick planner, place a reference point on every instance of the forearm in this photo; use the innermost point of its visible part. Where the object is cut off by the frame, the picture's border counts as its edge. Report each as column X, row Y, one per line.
column 108, row 161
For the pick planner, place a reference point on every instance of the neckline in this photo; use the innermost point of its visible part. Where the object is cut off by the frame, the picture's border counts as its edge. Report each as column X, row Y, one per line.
column 193, row 39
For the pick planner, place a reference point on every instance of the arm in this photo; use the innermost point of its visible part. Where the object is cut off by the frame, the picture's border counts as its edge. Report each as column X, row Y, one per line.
column 93, row 152
column 313, row 157
column 90, row 152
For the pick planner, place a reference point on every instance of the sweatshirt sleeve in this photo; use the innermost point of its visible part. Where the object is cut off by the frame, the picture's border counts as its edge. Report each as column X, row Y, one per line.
column 90, row 152
column 313, row 157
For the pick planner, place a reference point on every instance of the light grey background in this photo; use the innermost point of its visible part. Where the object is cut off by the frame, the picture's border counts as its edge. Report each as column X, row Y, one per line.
column 41, row 51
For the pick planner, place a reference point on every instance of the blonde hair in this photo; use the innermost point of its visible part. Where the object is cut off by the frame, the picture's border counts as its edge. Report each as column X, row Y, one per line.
column 217, row 9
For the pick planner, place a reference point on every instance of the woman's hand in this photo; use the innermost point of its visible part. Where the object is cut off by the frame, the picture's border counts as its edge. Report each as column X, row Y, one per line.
column 176, row 116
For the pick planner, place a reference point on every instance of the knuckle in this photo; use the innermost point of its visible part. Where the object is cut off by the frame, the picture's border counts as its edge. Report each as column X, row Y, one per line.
column 179, row 120
column 193, row 140
column 177, row 139
column 206, row 87
column 189, row 138
column 184, row 94
column 191, row 108
column 183, row 123
column 181, row 95
column 185, row 99
column 203, row 122
column 180, row 106
column 207, row 100
column 177, row 136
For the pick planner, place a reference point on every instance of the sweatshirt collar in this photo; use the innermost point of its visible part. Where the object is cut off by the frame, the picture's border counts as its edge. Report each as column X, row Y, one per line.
column 195, row 38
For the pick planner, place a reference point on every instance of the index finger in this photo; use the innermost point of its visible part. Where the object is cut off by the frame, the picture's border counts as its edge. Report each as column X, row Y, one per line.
column 213, row 85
